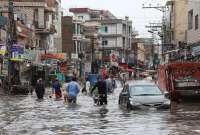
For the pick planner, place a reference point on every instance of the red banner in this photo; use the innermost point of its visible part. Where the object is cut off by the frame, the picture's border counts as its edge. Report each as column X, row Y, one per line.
column 59, row 56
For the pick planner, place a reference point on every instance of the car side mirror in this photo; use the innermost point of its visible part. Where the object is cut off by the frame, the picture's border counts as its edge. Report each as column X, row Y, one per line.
column 167, row 95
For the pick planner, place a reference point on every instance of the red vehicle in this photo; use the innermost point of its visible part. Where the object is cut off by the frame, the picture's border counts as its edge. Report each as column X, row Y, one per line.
column 180, row 79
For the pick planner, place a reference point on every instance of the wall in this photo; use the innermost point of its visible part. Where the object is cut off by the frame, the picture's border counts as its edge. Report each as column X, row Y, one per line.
column 180, row 20
column 194, row 35
column 86, row 16
column 113, row 42
column 140, row 52
column 112, row 29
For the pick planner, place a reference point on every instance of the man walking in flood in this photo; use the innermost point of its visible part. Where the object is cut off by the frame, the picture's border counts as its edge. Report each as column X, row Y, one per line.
column 73, row 89
column 40, row 89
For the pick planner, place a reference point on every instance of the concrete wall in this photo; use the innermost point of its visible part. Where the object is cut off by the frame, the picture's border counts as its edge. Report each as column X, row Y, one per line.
column 194, row 35
column 113, row 42
column 112, row 29
column 180, row 20
column 140, row 52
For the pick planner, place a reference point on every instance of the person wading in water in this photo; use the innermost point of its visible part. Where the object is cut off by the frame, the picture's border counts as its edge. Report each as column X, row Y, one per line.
column 40, row 89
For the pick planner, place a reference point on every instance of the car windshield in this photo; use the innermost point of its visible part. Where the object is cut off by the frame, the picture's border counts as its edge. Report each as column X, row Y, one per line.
column 144, row 90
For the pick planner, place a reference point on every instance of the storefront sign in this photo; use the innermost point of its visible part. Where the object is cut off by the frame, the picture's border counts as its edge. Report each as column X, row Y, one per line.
column 2, row 21
column 2, row 49
column 74, row 56
column 17, row 52
column 59, row 56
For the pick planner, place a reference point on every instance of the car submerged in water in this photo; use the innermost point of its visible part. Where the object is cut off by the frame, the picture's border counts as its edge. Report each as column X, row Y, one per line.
column 143, row 95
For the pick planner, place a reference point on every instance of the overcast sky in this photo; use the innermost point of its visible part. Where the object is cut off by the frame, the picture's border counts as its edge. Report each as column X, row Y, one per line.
column 120, row 8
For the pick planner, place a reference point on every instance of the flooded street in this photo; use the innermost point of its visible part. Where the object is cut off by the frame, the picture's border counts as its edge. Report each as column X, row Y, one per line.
column 24, row 115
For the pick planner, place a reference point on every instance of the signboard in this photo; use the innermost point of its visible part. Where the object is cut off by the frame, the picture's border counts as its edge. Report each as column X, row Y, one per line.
column 2, row 21
column 87, row 67
column 74, row 56
column 2, row 49
column 58, row 56
column 17, row 52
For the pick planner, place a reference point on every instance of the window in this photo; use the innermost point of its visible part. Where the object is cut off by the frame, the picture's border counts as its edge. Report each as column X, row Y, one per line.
column 104, row 42
column 106, row 29
column 190, row 19
column 196, row 22
column 80, row 17
column 124, row 40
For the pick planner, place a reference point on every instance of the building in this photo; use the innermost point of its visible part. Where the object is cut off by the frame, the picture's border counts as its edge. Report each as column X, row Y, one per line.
column 193, row 35
column 176, row 26
column 86, row 14
column 42, row 16
column 67, row 35
column 114, row 34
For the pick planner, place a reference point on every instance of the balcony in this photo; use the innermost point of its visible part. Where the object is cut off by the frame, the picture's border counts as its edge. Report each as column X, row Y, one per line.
column 45, row 30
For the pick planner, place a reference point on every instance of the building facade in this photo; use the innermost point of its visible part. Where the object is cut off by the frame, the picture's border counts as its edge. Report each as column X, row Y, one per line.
column 194, row 28
column 114, row 34
column 176, row 27
column 41, row 16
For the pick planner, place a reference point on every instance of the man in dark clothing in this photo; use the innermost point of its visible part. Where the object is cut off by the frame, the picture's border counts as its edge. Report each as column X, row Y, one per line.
column 40, row 89
column 101, row 85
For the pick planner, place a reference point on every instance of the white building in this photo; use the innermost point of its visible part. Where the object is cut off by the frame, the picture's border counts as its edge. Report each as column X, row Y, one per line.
column 115, row 34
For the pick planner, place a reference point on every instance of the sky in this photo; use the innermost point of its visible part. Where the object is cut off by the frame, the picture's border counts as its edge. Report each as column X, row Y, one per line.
column 121, row 8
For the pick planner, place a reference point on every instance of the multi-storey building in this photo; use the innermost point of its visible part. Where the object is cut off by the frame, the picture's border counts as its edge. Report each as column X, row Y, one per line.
column 40, row 15
column 115, row 34
column 176, row 26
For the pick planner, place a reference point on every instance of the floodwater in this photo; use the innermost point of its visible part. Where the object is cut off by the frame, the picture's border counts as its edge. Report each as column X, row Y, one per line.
column 24, row 115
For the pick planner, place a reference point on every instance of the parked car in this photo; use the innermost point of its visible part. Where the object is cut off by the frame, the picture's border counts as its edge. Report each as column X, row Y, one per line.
column 141, row 95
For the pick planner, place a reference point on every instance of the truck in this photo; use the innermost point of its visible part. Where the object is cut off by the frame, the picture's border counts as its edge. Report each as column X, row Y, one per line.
column 181, row 80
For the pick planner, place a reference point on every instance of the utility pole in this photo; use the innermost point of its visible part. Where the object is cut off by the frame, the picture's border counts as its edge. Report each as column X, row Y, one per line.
column 11, row 39
column 163, row 25
column 153, row 28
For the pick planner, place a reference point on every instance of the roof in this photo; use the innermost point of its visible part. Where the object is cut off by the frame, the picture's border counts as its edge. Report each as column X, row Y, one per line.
column 79, row 10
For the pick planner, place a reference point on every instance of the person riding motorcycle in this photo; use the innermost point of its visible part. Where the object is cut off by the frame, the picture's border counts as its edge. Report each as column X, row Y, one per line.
column 102, row 91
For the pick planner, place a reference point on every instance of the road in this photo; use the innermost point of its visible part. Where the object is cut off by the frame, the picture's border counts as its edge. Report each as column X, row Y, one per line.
column 24, row 115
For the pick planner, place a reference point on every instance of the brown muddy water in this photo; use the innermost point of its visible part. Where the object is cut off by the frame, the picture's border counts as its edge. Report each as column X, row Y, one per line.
column 24, row 115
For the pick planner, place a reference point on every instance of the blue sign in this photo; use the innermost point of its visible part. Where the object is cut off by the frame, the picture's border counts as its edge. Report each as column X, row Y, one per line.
column 17, row 48
column 17, row 52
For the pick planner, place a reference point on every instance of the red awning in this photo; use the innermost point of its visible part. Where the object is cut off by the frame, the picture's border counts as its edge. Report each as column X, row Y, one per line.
column 130, row 70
